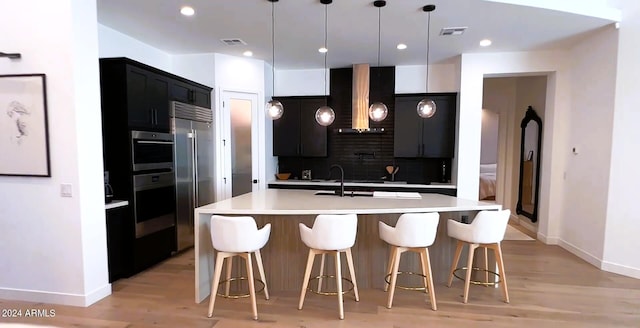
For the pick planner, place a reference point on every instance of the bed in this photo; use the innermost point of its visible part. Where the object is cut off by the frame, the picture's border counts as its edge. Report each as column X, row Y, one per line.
column 487, row 182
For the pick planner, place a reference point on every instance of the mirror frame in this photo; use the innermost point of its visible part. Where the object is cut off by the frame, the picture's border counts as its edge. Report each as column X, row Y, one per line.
column 529, row 116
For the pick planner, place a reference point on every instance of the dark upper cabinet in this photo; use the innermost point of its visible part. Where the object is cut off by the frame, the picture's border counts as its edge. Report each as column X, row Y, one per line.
column 190, row 93
column 432, row 137
column 296, row 133
column 137, row 96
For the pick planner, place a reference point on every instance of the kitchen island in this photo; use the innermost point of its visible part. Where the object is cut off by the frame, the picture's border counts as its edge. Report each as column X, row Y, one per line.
column 285, row 255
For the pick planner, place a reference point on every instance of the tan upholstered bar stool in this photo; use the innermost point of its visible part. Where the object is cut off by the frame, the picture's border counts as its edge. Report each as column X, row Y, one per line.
column 237, row 236
column 413, row 232
column 331, row 234
column 486, row 230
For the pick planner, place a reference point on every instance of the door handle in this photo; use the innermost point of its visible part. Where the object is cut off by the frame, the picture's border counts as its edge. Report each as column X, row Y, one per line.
column 255, row 180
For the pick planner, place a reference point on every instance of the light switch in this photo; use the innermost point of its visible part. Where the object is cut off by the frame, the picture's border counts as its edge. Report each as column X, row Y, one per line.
column 66, row 190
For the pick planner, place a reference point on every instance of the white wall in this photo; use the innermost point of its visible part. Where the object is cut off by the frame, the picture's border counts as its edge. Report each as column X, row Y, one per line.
column 53, row 249
column 474, row 67
column 303, row 82
column 622, row 228
column 115, row 44
column 198, row 68
column 413, row 78
column 489, row 139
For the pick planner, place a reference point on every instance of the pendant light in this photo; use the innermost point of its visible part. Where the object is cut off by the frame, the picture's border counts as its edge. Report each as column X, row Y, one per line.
column 325, row 114
column 426, row 107
column 273, row 107
column 378, row 111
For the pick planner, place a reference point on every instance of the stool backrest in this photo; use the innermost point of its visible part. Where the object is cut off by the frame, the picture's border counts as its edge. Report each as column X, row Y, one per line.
column 490, row 226
column 417, row 229
column 333, row 231
column 232, row 233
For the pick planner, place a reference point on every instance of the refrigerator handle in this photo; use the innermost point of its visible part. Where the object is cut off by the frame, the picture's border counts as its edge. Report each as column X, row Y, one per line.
column 194, row 149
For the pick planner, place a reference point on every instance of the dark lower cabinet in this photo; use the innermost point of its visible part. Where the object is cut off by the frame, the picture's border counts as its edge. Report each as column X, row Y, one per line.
column 119, row 242
column 297, row 133
column 433, row 137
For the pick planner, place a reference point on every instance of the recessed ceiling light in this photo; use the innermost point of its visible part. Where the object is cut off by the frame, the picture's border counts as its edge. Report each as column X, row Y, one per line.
column 187, row 11
column 323, row 50
column 485, row 43
column 401, row 46
column 248, row 53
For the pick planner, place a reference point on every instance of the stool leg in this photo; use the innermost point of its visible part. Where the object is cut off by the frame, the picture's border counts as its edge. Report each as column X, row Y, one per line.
column 321, row 272
column 394, row 274
column 305, row 281
column 216, row 280
column 261, row 271
column 424, row 254
column 486, row 265
column 227, row 284
column 352, row 273
column 422, row 266
column 392, row 257
column 467, row 281
column 339, row 284
column 252, row 287
column 498, row 252
column 456, row 259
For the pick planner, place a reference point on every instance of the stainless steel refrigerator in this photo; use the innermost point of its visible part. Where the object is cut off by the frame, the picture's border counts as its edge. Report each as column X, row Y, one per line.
column 193, row 160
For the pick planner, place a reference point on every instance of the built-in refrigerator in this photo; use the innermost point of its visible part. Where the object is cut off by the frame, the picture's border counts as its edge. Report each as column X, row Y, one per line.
column 193, row 160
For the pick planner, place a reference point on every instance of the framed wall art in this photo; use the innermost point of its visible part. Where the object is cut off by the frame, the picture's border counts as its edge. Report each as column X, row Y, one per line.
column 24, row 135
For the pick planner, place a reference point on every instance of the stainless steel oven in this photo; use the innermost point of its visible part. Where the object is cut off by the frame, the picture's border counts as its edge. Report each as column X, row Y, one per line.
column 151, row 151
column 154, row 202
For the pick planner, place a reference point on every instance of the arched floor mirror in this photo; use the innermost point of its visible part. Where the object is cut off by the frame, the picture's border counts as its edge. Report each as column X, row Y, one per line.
column 530, row 150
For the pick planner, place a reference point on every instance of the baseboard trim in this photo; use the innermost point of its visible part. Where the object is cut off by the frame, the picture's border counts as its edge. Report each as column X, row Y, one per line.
column 591, row 259
column 621, row 269
column 548, row 240
column 55, row 298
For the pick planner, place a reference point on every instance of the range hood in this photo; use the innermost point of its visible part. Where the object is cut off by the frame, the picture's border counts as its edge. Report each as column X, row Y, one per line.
column 360, row 102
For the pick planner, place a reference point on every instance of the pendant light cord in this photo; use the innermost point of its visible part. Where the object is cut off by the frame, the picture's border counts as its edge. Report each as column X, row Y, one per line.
column 378, row 68
column 273, row 50
column 426, row 84
column 326, row 10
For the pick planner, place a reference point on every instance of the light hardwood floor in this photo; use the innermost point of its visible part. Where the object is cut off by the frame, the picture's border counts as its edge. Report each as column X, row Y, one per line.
column 548, row 287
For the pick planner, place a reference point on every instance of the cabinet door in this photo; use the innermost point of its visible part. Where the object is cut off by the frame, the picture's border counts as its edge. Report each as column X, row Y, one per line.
column 181, row 91
column 407, row 129
column 313, row 136
column 286, row 130
column 438, row 131
column 158, row 95
column 140, row 114
column 202, row 97
column 119, row 242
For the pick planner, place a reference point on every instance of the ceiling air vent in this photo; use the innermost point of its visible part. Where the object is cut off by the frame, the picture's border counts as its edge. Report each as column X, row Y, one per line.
column 453, row 30
column 233, row 42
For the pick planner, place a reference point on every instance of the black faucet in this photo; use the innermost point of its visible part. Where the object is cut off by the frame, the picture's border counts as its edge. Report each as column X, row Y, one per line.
column 341, row 177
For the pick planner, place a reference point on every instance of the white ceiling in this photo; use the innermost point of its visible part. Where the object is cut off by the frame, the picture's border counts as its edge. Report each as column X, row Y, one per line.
column 352, row 29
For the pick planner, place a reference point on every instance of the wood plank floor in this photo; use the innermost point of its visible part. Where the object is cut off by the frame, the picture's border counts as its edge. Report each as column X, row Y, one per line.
column 548, row 287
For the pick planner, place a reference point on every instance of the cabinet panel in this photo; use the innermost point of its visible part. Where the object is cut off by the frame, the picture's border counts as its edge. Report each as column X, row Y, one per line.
column 286, row 130
column 297, row 133
column 407, row 136
column 158, row 95
column 140, row 114
column 202, row 97
column 181, row 91
column 313, row 136
column 119, row 242
column 438, row 132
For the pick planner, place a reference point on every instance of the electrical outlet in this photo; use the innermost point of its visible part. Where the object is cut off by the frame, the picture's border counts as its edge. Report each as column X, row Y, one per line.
column 66, row 190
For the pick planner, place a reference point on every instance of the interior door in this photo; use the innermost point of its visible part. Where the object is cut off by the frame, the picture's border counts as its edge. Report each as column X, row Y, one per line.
column 242, row 138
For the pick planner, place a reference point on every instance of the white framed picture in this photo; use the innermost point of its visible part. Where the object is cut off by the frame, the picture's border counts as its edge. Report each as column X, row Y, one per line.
column 24, row 135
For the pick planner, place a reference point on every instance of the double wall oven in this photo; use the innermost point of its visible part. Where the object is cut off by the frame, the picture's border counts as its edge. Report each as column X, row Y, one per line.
column 153, row 182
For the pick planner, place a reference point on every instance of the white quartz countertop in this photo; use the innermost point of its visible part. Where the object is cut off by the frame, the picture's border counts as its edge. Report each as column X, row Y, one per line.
column 291, row 202
column 116, row 203
column 373, row 185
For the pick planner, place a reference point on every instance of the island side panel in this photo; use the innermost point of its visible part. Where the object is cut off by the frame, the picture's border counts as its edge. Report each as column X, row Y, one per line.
column 204, row 256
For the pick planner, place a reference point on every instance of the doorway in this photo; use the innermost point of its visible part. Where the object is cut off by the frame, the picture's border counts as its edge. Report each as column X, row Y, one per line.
column 240, row 141
column 489, row 155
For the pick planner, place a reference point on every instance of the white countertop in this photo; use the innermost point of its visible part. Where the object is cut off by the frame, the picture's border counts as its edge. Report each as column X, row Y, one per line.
column 382, row 185
column 116, row 203
column 291, row 202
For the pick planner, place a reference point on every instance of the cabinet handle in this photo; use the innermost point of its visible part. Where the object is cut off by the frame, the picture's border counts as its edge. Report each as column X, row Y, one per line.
column 422, row 150
column 418, row 150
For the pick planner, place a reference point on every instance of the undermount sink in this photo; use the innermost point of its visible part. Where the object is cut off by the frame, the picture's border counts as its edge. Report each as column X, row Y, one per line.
column 346, row 193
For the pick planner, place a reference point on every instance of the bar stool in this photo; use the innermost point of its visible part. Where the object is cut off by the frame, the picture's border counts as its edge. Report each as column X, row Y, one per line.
column 486, row 230
column 331, row 234
column 237, row 236
column 413, row 232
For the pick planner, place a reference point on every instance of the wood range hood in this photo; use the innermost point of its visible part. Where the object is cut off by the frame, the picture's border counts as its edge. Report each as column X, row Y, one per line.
column 360, row 102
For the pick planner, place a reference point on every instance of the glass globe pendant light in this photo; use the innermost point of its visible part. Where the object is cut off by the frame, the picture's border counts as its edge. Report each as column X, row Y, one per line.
column 273, row 108
column 378, row 111
column 325, row 114
column 426, row 107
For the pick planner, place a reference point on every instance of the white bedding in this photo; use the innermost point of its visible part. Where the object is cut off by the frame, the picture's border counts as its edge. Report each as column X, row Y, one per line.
column 487, row 181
